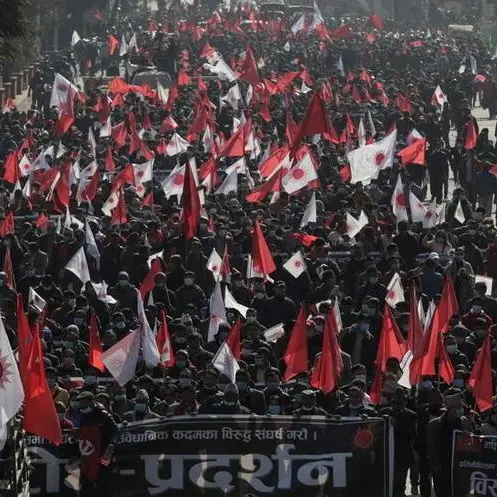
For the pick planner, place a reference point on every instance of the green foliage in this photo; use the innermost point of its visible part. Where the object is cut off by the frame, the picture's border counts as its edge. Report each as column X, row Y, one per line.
column 13, row 26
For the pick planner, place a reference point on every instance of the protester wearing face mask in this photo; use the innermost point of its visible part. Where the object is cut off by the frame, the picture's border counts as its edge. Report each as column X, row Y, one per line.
column 309, row 407
column 199, row 357
column 63, row 314
column 93, row 414
column 240, row 291
column 59, row 394
column 124, row 292
column 372, row 287
column 252, row 326
column 360, row 344
column 230, row 403
column 275, row 406
column 209, row 392
column 186, row 404
column 273, row 387
column 262, row 364
column 440, row 435
column 279, row 308
column 162, row 294
column 142, row 409
column 355, row 406
column 459, row 263
column 181, row 363
column 190, row 292
column 251, row 398
column 476, row 317
column 457, row 358
column 65, row 424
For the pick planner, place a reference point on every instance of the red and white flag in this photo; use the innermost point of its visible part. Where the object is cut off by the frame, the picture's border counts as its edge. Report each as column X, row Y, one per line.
column 300, row 175
column 395, row 292
column 11, row 392
column 62, row 92
column 174, row 183
column 439, row 98
column 217, row 312
column 79, row 266
column 120, row 360
column 367, row 162
column 150, row 353
column 214, row 264
column 228, row 354
column 142, row 174
column 296, row 264
column 176, row 145
column 399, row 204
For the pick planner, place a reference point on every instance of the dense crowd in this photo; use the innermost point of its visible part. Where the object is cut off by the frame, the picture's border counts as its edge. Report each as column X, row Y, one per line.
column 70, row 182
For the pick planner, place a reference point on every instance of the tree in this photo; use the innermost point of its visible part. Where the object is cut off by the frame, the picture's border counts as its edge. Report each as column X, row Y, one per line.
column 13, row 24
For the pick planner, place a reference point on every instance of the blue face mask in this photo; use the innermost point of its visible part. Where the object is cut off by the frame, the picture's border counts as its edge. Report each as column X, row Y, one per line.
column 242, row 385
column 459, row 383
column 141, row 407
column 274, row 410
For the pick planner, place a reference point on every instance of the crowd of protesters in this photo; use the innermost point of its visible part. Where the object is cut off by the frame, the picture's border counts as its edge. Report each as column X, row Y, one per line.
column 368, row 75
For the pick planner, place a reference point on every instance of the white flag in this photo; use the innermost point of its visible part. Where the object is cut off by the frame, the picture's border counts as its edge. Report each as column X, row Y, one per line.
column 231, row 303
column 399, row 207
column 354, row 226
column 479, row 278
column 150, row 352
column 106, row 129
column 273, row 334
column 217, row 312
column 299, row 25
column 177, row 145
column 75, row 38
column 36, row 300
column 174, row 183
column 230, row 184
column 418, row 210
column 340, row 66
column 120, row 360
column 214, row 264
column 361, row 133
column 91, row 244
column 459, row 214
column 430, row 218
column 11, row 391
column 224, row 361
column 162, row 93
column 371, row 125
column 296, row 264
column 310, row 212
column 123, row 48
column 78, row 266
column 395, row 292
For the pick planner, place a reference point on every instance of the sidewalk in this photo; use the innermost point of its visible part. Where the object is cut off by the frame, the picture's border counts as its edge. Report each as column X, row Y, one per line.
column 23, row 102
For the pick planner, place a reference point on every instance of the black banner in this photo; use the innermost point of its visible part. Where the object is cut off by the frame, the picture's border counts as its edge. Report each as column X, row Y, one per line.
column 474, row 465
column 223, row 456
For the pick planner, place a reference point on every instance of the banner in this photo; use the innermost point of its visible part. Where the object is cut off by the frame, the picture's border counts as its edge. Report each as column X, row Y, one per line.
column 234, row 455
column 474, row 465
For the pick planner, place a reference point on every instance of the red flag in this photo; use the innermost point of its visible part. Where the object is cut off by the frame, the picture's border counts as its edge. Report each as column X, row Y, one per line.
column 98, row 15
column 329, row 365
column 11, row 168
column 445, row 368
column 9, row 270
column 42, row 221
column 262, row 260
column 304, row 238
column 148, row 201
column 120, row 214
column 446, row 308
column 95, row 351
column 169, row 124
column 191, row 204
column 113, row 43
column 315, row 121
column 471, row 136
column 272, row 185
column 8, row 225
column 249, row 68
column 344, row 173
column 342, row 31
column 148, row 283
column 233, row 339
column 390, row 345
column 89, row 446
column 183, row 78
column 163, row 341
column 40, row 416
column 296, row 354
column 110, row 165
column 376, row 21
column 481, row 377
column 235, row 146
column 24, row 338
column 414, row 153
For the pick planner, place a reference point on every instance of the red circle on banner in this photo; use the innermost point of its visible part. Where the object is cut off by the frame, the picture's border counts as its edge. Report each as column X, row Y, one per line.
column 401, row 199
column 178, row 179
column 379, row 158
column 363, row 439
column 298, row 173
